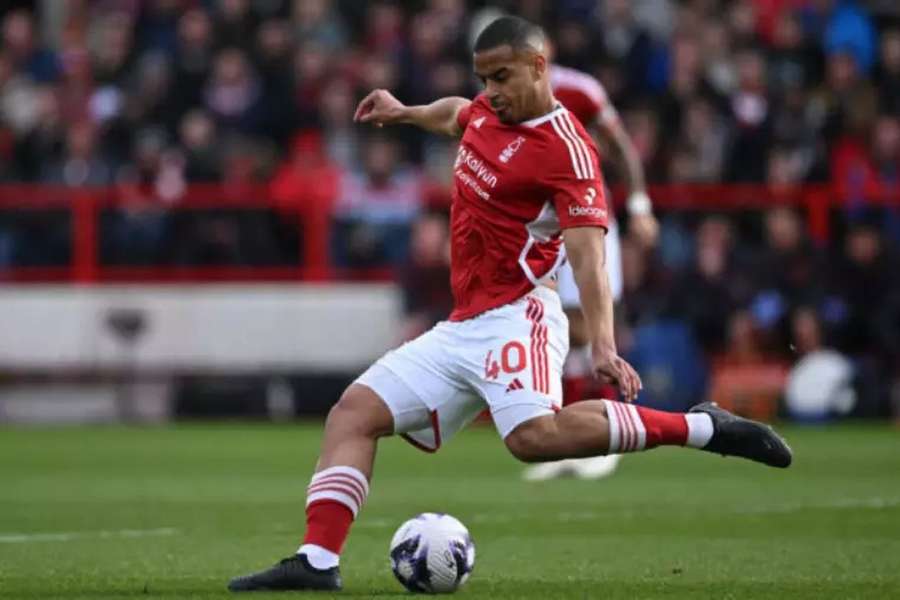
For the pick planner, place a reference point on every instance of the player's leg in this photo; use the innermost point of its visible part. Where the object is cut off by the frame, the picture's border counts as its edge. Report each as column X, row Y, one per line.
column 598, row 427
column 335, row 494
column 378, row 404
column 339, row 487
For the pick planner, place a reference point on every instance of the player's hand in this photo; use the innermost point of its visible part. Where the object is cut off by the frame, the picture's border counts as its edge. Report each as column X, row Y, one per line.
column 380, row 108
column 645, row 229
column 612, row 367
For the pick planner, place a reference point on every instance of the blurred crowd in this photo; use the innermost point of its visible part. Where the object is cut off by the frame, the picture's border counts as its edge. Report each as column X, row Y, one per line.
column 148, row 98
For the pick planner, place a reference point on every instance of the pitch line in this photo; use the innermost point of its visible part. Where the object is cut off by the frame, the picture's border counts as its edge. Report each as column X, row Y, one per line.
column 68, row 536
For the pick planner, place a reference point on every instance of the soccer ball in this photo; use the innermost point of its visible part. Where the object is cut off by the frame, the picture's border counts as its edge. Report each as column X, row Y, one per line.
column 432, row 553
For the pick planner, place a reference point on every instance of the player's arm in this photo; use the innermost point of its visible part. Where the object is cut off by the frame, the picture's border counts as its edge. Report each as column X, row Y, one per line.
column 585, row 247
column 441, row 116
column 612, row 132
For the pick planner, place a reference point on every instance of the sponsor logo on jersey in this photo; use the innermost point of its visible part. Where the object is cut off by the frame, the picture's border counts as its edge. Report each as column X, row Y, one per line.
column 478, row 122
column 511, row 149
column 590, row 195
column 476, row 166
column 587, row 211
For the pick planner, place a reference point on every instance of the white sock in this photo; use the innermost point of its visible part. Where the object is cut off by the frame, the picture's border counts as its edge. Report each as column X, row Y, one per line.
column 345, row 485
column 319, row 557
column 626, row 429
column 700, row 429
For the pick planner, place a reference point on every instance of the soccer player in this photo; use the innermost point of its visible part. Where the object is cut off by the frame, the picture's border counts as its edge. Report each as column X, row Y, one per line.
column 588, row 102
column 527, row 180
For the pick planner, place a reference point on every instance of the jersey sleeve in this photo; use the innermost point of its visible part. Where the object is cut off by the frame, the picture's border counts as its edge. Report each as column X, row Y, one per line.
column 465, row 115
column 576, row 183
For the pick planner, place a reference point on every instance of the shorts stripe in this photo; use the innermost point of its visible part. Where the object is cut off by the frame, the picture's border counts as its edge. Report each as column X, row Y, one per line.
column 542, row 351
column 531, row 313
column 540, row 374
column 546, row 360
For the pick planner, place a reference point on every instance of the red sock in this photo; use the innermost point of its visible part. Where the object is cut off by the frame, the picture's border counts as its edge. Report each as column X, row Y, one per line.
column 327, row 525
column 635, row 428
column 333, row 499
column 663, row 428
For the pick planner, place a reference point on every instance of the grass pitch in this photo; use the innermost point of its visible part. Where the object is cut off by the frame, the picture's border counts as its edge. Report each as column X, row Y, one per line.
column 111, row 512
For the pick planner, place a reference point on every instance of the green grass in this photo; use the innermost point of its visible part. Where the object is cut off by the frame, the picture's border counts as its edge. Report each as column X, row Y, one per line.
column 175, row 512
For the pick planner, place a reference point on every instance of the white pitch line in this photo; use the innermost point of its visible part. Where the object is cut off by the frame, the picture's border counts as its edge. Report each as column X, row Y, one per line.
column 839, row 504
column 68, row 536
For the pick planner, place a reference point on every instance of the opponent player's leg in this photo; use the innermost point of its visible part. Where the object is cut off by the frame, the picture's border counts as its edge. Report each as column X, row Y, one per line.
column 596, row 427
column 335, row 495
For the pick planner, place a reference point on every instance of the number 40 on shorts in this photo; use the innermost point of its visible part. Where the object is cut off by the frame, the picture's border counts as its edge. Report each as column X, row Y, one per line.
column 512, row 360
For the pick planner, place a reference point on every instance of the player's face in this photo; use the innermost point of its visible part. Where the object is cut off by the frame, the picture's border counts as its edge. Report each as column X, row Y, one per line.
column 511, row 81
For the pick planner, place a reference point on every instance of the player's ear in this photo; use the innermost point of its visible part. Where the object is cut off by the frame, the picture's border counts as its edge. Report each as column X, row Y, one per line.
column 539, row 65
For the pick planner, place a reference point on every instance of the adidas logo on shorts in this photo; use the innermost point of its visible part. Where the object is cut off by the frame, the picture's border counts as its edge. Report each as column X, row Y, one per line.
column 514, row 385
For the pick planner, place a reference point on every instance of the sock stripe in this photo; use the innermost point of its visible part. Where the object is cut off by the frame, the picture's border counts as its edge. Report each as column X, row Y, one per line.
column 633, row 430
column 625, row 427
column 336, row 486
column 341, row 484
column 338, row 479
column 627, row 431
column 640, row 431
column 614, row 428
column 356, row 474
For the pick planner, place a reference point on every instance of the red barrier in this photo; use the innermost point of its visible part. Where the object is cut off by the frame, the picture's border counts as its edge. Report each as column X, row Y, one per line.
column 314, row 220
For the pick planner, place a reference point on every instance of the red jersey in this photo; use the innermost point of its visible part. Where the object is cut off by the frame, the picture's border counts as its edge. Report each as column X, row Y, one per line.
column 515, row 188
column 581, row 94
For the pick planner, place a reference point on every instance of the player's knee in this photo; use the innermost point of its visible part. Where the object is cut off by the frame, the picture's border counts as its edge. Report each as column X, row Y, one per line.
column 527, row 442
column 360, row 412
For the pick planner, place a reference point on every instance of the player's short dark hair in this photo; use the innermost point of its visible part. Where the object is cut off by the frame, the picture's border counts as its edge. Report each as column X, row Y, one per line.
column 515, row 32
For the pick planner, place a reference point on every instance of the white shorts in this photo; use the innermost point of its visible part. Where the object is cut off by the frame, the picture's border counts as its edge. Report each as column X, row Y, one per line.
column 507, row 360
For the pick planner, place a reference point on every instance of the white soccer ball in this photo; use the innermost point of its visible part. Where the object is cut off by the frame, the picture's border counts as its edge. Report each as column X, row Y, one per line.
column 432, row 553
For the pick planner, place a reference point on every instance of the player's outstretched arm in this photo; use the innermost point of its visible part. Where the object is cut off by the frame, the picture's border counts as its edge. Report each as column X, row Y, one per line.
column 586, row 251
column 382, row 108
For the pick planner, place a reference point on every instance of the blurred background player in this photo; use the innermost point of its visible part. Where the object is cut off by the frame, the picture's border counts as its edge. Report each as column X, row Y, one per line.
column 585, row 97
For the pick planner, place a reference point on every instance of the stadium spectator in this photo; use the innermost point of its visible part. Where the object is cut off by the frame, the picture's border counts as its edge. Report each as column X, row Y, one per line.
column 80, row 164
column 887, row 75
column 788, row 269
column 745, row 378
column 820, row 385
column 193, row 59
column 858, row 278
column 700, row 150
column 751, row 110
column 426, row 276
column 376, row 207
column 714, row 286
column 202, row 158
column 39, row 64
column 233, row 93
column 316, row 22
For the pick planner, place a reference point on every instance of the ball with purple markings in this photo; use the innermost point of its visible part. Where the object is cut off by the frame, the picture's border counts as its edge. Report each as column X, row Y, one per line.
column 432, row 553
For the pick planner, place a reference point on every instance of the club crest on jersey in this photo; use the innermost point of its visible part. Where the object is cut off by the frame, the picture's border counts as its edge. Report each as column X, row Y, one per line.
column 511, row 149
